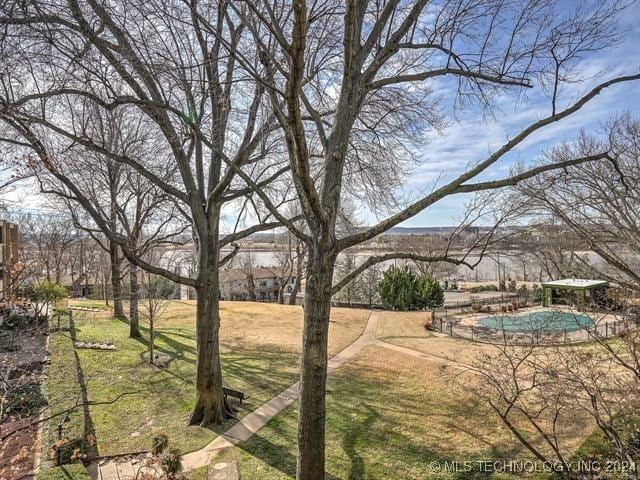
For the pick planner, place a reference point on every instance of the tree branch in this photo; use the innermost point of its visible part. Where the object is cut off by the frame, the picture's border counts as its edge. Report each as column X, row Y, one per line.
column 375, row 259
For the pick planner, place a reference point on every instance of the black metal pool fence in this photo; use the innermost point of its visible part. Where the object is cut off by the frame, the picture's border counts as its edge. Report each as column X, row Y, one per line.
column 603, row 328
column 505, row 298
column 502, row 299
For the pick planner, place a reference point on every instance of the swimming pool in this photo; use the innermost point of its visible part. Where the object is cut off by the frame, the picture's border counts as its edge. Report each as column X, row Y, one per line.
column 543, row 321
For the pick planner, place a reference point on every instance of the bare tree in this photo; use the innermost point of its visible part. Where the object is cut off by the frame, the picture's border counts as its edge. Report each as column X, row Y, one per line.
column 113, row 179
column 51, row 248
column 144, row 213
column 349, row 85
column 597, row 203
column 165, row 62
column 149, row 219
column 84, row 267
column 47, row 241
column 289, row 253
column 553, row 389
column 370, row 279
column 547, row 248
column 158, row 292
column 345, row 264
column 428, row 246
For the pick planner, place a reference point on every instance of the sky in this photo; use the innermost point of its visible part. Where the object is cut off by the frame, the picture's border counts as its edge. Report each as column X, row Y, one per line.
column 471, row 137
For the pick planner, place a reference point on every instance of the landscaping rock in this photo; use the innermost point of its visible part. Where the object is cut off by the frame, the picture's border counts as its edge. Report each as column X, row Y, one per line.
column 95, row 346
column 162, row 361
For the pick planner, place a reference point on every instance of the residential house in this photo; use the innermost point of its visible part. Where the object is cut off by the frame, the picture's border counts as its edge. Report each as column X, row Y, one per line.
column 236, row 284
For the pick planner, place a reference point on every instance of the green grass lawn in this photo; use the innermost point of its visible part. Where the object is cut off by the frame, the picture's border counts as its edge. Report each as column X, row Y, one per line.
column 66, row 472
column 388, row 417
column 255, row 360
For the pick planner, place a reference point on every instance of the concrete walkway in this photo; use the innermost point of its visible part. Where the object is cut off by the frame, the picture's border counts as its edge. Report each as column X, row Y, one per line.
column 424, row 356
column 247, row 426
column 254, row 421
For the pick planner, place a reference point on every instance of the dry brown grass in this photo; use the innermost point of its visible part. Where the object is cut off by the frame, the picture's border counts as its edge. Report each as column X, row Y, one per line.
column 407, row 330
column 402, row 325
column 390, row 415
column 245, row 322
column 248, row 324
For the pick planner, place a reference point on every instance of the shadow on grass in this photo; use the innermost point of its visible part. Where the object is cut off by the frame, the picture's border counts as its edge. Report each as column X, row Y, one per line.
column 277, row 456
column 166, row 344
column 367, row 431
column 378, row 429
column 260, row 371
column 260, row 375
column 405, row 337
column 350, row 439
column 89, row 431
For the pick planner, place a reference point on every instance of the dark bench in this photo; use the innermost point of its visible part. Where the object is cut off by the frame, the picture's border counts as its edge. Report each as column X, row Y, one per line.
column 230, row 392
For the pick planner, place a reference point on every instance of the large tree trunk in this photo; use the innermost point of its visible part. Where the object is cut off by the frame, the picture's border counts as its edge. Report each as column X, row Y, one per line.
column 116, row 280
column 313, row 371
column 105, row 293
column 294, row 290
column 281, row 294
column 210, row 407
column 134, row 284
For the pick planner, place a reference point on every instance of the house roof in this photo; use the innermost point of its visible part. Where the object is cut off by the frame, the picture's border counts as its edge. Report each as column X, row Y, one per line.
column 575, row 283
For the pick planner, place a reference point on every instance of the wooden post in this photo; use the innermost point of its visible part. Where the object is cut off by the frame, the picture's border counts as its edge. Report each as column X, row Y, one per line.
column 450, row 328
column 606, row 329
column 472, row 333
column 565, row 335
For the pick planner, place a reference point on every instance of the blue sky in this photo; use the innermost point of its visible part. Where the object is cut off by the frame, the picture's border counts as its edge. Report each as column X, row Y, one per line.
column 472, row 137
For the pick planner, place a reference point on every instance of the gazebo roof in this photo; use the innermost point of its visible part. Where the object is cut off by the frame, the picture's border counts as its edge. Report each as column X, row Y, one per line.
column 575, row 283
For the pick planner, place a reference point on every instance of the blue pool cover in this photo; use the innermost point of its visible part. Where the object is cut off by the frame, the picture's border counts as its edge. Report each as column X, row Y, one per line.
column 542, row 321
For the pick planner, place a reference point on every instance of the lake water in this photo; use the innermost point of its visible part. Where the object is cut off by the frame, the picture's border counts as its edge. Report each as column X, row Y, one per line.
column 511, row 267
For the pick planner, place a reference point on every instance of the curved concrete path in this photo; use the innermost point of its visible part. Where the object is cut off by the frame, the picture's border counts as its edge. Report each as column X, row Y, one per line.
column 255, row 420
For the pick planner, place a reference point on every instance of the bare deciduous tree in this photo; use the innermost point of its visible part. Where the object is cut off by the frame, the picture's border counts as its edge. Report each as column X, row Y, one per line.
column 543, row 393
column 290, row 255
column 47, row 241
column 127, row 202
column 165, row 62
column 598, row 202
column 157, row 295
column 350, row 85
column 546, row 249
